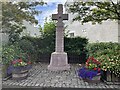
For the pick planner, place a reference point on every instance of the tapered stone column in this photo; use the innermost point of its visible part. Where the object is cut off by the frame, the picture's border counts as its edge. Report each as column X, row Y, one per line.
column 59, row 59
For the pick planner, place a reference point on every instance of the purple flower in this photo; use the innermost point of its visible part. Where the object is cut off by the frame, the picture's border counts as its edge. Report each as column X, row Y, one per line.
column 86, row 73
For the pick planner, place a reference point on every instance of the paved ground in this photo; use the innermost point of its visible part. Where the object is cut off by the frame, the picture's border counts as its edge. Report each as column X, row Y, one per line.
column 41, row 77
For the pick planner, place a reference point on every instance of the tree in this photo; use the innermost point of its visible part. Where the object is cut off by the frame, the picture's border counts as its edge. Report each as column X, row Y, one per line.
column 13, row 14
column 48, row 36
column 96, row 12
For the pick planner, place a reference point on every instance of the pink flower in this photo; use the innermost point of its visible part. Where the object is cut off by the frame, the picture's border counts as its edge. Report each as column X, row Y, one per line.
column 99, row 69
column 14, row 62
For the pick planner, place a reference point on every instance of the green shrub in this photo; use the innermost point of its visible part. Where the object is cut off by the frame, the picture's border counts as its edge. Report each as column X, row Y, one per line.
column 42, row 45
column 46, row 45
column 28, row 47
column 108, row 54
column 11, row 52
column 76, row 45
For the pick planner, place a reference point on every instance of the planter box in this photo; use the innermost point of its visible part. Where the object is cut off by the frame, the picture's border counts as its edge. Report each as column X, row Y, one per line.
column 110, row 78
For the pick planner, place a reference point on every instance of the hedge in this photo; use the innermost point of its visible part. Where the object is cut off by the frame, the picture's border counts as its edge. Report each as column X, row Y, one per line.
column 73, row 46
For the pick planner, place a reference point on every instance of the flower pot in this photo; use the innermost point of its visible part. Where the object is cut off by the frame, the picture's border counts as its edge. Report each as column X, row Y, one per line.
column 20, row 75
column 20, row 72
column 109, row 77
column 95, row 79
column 89, row 75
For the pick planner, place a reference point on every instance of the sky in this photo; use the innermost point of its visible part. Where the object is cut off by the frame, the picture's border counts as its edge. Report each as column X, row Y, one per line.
column 48, row 10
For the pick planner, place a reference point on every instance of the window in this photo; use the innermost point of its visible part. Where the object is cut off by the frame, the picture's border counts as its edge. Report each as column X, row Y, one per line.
column 71, row 34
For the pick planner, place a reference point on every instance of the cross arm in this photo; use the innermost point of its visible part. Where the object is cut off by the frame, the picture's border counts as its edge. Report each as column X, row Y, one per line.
column 65, row 17
column 54, row 16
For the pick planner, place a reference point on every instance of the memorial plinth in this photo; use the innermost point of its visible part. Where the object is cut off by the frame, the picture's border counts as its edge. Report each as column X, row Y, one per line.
column 59, row 59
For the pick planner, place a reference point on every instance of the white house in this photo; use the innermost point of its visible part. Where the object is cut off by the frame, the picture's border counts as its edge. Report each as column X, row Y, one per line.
column 31, row 30
column 108, row 31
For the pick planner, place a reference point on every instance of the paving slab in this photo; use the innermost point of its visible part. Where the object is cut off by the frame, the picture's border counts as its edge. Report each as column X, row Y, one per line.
column 40, row 76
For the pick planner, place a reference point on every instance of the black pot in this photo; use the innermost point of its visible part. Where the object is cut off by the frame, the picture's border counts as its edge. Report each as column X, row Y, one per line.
column 109, row 77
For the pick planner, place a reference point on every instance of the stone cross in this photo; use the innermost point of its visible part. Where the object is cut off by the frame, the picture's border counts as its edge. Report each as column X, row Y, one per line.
column 59, row 60
column 60, row 28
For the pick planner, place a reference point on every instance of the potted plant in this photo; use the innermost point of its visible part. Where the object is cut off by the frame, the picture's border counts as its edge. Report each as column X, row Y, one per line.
column 8, row 54
column 91, row 72
column 109, row 56
column 20, row 69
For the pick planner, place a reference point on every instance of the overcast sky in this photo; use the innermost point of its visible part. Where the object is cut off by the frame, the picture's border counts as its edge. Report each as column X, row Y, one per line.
column 48, row 10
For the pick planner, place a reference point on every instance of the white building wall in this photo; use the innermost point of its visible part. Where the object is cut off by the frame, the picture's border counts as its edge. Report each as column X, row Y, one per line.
column 31, row 30
column 105, row 32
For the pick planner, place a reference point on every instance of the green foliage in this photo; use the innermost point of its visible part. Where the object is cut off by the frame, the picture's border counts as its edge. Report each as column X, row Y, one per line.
column 14, row 37
column 28, row 48
column 48, row 30
column 95, row 11
column 12, row 52
column 108, row 54
column 46, row 43
column 76, row 45
column 47, row 40
column 13, row 15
